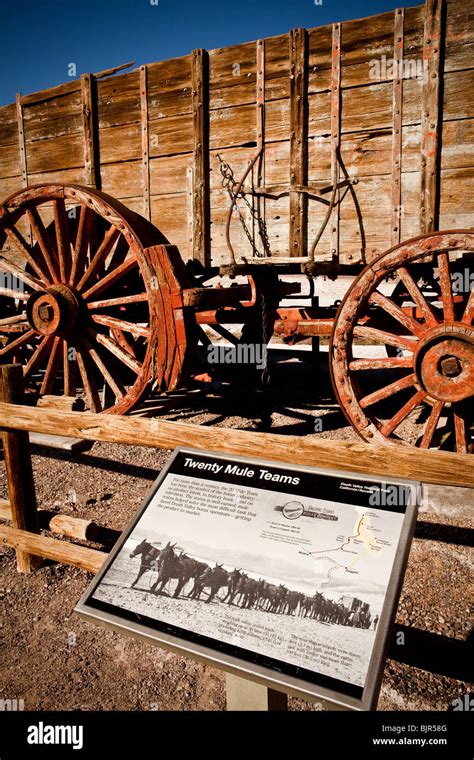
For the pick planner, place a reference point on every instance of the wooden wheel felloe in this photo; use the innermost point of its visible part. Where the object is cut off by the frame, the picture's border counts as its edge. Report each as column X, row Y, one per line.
column 416, row 298
column 75, row 295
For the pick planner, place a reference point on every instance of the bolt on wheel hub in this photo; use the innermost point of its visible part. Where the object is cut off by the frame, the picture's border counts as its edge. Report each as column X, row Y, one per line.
column 445, row 363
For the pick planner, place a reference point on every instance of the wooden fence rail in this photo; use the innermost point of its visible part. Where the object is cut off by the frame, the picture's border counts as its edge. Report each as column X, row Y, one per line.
column 388, row 460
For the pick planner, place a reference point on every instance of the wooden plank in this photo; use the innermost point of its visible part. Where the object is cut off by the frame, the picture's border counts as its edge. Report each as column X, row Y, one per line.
column 21, row 140
column 122, row 179
column 8, row 125
column 60, row 442
column 19, row 470
column 54, row 117
column 52, row 92
column 167, row 137
column 53, row 548
column 89, row 125
column 398, row 46
column 55, row 154
column 335, row 134
column 298, row 51
column 430, row 118
column 170, row 214
column 118, row 100
column 201, row 210
column 390, row 459
column 145, row 142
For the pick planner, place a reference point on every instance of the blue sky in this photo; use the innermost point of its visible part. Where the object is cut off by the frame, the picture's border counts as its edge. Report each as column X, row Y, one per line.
column 40, row 38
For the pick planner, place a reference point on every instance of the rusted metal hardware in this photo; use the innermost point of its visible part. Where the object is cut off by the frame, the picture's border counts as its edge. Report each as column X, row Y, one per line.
column 145, row 142
column 335, row 134
column 397, row 106
column 298, row 44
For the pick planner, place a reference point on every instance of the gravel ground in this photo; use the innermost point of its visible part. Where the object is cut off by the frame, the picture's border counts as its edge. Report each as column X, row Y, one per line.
column 53, row 660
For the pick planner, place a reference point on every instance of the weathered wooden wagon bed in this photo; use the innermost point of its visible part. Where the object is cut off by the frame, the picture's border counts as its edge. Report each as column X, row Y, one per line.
column 345, row 149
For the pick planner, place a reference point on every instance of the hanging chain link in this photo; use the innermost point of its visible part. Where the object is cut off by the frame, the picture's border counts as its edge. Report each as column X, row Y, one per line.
column 265, row 376
column 229, row 183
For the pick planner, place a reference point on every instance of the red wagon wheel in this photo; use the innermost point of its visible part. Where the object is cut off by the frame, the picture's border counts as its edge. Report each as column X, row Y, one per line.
column 416, row 298
column 75, row 295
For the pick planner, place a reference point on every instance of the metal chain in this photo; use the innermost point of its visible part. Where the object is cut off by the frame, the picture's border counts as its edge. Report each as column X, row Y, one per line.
column 265, row 376
column 229, row 183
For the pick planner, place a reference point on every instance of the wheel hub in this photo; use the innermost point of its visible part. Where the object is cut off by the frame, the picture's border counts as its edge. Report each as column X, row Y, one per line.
column 445, row 362
column 53, row 311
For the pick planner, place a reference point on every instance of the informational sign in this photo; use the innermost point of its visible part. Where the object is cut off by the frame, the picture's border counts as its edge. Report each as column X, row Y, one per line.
column 287, row 575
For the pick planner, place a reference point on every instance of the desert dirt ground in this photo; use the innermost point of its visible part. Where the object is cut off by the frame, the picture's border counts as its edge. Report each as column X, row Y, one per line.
column 51, row 659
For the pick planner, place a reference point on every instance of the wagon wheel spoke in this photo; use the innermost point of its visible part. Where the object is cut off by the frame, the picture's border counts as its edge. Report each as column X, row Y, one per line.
column 120, row 301
column 111, row 345
column 417, row 296
column 15, row 294
column 70, row 370
column 82, row 243
column 446, row 287
column 41, row 237
column 62, row 238
column 431, row 425
column 461, row 427
column 88, row 381
column 123, row 341
column 52, row 366
column 18, row 342
column 122, row 325
column 391, row 308
column 392, row 362
column 119, row 253
column 114, row 383
column 99, row 257
column 18, row 321
column 37, row 355
column 27, row 251
column 20, row 274
column 111, row 278
column 381, row 336
column 468, row 316
column 387, row 390
column 403, row 413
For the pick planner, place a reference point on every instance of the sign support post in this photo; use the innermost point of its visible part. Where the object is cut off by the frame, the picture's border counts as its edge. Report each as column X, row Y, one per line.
column 243, row 694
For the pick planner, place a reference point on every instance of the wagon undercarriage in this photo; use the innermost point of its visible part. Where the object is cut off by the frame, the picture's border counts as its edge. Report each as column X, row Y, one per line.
column 104, row 306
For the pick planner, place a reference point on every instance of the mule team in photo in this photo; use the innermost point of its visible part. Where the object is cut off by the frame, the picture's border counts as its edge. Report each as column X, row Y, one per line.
column 242, row 590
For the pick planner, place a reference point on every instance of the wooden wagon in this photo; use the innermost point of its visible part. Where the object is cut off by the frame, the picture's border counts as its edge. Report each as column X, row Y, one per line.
column 203, row 191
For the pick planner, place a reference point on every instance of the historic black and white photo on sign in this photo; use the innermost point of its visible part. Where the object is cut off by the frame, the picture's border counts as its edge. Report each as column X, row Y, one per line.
column 295, row 578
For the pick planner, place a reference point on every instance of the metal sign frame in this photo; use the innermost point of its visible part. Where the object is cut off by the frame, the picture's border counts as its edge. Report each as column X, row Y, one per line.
column 220, row 654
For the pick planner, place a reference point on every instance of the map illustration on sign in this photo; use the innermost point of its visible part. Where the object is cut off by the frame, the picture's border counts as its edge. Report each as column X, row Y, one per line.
column 287, row 571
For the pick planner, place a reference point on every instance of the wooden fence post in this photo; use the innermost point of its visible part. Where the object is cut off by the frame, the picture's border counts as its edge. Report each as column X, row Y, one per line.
column 243, row 694
column 16, row 448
